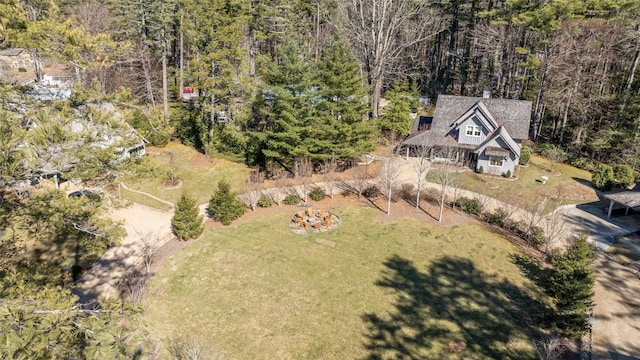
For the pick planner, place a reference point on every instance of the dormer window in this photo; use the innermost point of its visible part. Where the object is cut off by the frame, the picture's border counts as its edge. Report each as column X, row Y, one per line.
column 473, row 130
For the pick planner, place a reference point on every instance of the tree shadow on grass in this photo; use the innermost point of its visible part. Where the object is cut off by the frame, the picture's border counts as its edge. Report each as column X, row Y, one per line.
column 452, row 308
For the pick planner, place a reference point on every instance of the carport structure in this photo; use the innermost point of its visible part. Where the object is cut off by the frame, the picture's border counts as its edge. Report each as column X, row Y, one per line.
column 629, row 199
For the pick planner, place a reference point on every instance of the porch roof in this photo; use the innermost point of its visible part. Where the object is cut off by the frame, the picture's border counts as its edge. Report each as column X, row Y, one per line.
column 627, row 198
column 496, row 151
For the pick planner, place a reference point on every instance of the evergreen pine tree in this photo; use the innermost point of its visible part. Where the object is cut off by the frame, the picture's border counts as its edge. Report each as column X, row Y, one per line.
column 287, row 119
column 344, row 103
column 570, row 286
column 224, row 206
column 396, row 116
column 186, row 223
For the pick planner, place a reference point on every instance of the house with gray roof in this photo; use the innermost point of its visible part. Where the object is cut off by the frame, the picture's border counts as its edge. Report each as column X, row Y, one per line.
column 483, row 133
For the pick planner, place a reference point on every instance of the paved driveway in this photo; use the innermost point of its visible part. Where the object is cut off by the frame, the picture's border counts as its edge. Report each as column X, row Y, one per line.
column 616, row 329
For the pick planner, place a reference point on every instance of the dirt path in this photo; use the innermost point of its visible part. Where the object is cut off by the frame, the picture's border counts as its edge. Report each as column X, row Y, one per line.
column 139, row 221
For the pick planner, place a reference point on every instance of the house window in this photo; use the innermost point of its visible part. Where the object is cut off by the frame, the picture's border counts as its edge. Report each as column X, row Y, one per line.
column 473, row 130
column 495, row 161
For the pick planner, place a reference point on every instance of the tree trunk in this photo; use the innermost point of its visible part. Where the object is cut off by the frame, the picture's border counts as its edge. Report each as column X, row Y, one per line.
column 147, row 77
column 565, row 115
column 165, row 90
column 537, row 116
column 442, row 198
column 376, row 94
column 181, row 56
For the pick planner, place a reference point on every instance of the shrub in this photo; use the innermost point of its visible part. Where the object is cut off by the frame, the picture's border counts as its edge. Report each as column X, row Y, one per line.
column 480, row 169
column 317, row 194
column 291, row 199
column 186, row 223
column 536, row 236
column 371, row 192
column 507, row 174
column 554, row 153
column 511, row 225
column 497, row 218
column 623, row 175
column 407, row 192
column 544, row 147
column 582, row 163
column 265, row 202
column 470, row 206
column 525, row 155
column 224, row 206
column 603, row 177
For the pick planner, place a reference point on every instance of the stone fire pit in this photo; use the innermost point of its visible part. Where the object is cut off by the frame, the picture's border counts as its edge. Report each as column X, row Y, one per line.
column 313, row 221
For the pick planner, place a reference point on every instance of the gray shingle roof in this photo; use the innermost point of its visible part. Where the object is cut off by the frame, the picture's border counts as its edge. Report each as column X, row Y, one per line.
column 502, row 133
column 514, row 115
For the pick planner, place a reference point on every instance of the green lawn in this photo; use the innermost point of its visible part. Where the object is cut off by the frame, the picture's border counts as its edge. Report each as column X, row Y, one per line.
column 528, row 187
column 365, row 290
column 199, row 176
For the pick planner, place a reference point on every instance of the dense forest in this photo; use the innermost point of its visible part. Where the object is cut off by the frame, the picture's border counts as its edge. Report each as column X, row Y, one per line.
column 263, row 72
column 279, row 85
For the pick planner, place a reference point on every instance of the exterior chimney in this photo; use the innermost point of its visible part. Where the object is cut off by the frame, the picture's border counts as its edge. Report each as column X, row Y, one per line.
column 486, row 92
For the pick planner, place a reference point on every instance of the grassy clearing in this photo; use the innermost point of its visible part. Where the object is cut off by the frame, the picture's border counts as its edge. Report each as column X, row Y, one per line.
column 569, row 186
column 199, row 175
column 399, row 290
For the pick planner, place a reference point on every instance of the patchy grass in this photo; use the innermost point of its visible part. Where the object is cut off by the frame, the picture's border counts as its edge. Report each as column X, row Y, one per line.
column 144, row 200
column 572, row 186
column 199, row 174
column 384, row 290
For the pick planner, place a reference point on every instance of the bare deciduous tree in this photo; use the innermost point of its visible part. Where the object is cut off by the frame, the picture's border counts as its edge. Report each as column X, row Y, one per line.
column 389, row 178
column 533, row 215
column 447, row 174
column 147, row 248
column 422, row 165
column 251, row 194
column 358, row 180
column 381, row 31
column 304, row 171
column 329, row 176
column 555, row 227
column 549, row 348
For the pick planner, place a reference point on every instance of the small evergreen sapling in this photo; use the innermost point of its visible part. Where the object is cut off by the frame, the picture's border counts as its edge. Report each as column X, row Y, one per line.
column 224, row 205
column 570, row 286
column 525, row 155
column 186, row 223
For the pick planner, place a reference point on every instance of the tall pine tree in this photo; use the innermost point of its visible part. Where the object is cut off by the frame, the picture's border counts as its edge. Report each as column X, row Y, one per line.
column 344, row 104
column 288, row 97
